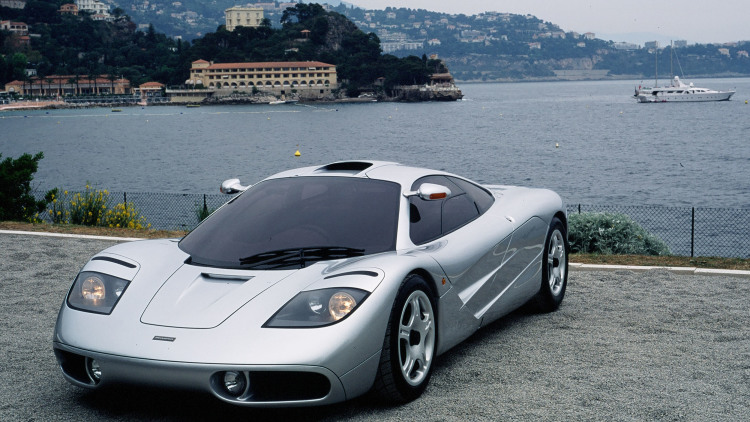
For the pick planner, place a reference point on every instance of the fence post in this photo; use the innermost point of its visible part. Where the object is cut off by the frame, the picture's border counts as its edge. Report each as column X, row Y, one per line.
column 692, row 235
column 579, row 208
column 205, row 207
column 125, row 199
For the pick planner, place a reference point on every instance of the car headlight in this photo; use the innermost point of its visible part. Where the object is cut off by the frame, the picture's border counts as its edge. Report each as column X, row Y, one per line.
column 317, row 308
column 96, row 292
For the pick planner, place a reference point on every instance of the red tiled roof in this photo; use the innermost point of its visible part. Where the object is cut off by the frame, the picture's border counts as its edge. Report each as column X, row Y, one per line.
column 151, row 85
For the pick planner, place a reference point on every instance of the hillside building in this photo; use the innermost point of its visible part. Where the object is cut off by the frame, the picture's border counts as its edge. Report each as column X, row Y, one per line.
column 307, row 79
column 243, row 16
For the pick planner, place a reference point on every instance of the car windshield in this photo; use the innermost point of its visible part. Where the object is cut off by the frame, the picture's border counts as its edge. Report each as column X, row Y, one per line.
column 315, row 218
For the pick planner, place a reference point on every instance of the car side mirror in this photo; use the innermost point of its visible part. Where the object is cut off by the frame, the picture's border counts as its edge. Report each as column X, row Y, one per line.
column 232, row 186
column 430, row 192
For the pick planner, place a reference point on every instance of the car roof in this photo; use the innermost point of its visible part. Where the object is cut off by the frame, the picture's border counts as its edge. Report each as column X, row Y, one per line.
column 381, row 170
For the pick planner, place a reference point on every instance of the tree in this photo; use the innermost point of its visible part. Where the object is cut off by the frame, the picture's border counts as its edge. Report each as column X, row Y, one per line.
column 301, row 12
column 16, row 201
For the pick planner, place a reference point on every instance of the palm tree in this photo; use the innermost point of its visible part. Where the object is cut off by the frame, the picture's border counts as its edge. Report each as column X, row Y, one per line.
column 74, row 80
column 111, row 77
column 49, row 85
column 92, row 78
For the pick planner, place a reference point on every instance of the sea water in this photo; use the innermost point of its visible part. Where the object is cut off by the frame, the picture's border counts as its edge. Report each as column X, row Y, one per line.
column 589, row 141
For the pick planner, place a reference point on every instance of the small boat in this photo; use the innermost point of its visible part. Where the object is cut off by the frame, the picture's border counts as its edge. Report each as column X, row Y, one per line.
column 116, row 110
column 680, row 92
column 283, row 102
column 193, row 105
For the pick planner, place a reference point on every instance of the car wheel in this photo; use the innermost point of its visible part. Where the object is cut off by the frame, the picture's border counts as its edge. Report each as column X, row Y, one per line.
column 554, row 268
column 409, row 344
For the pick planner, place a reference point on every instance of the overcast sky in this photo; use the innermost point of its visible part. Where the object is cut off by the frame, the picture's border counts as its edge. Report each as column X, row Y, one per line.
column 701, row 21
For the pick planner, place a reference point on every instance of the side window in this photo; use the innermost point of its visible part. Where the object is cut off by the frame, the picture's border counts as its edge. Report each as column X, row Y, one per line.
column 426, row 216
column 481, row 197
column 432, row 219
column 457, row 211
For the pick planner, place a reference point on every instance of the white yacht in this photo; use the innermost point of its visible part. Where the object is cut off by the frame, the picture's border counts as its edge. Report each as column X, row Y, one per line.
column 678, row 91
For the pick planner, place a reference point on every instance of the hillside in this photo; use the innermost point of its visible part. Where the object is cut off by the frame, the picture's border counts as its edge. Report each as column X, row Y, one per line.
column 79, row 46
column 157, row 39
column 485, row 47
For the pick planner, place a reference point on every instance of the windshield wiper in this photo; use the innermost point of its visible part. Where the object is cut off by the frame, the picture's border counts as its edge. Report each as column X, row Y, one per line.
column 298, row 256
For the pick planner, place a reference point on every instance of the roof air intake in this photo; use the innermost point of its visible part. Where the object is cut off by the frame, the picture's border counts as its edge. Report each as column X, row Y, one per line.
column 352, row 167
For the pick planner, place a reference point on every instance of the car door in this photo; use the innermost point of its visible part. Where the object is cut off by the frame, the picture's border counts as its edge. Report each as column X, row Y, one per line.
column 469, row 243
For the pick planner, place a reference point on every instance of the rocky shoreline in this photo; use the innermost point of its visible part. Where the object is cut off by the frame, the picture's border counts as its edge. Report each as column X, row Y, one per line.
column 426, row 93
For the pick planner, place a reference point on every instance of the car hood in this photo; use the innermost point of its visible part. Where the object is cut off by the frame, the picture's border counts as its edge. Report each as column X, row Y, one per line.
column 200, row 297
column 165, row 291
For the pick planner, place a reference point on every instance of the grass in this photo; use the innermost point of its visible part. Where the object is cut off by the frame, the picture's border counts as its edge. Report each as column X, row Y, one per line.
column 659, row 261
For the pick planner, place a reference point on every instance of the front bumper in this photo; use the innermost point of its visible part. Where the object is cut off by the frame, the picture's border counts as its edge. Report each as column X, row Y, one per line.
column 266, row 385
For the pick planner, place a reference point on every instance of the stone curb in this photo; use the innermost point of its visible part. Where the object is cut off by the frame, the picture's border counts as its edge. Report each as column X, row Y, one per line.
column 75, row 236
column 675, row 270
column 573, row 266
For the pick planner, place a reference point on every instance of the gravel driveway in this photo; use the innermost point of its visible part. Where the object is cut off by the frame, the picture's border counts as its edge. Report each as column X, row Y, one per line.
column 623, row 346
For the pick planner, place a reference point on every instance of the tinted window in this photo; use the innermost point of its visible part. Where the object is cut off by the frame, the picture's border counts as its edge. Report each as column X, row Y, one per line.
column 298, row 212
column 481, row 197
column 457, row 211
column 432, row 219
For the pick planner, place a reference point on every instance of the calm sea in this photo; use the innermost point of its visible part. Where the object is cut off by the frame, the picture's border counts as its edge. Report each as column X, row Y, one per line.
column 590, row 141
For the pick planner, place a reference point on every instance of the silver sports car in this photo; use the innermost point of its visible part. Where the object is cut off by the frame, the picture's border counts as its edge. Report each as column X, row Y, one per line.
column 315, row 285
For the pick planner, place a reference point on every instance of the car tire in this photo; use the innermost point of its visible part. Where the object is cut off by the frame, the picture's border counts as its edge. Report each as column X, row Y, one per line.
column 554, row 268
column 409, row 345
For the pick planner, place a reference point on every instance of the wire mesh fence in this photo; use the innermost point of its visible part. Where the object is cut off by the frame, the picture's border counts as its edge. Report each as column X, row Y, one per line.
column 687, row 231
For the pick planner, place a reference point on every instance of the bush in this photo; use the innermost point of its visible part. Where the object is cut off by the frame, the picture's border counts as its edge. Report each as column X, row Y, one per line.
column 125, row 215
column 611, row 234
column 202, row 212
column 16, row 201
column 92, row 208
column 88, row 208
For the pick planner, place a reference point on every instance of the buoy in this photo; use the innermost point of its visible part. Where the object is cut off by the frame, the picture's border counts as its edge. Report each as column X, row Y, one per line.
column 745, row 101
column 297, row 154
column 557, row 145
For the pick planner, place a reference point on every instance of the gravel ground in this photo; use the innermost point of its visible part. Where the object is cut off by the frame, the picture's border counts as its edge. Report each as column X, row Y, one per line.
column 624, row 346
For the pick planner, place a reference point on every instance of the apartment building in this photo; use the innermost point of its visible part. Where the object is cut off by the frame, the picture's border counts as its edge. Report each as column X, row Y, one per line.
column 278, row 78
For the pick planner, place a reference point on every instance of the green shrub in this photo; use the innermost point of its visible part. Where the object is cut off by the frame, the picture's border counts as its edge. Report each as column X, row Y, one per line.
column 202, row 211
column 16, row 201
column 93, row 208
column 611, row 234
column 87, row 208
column 125, row 215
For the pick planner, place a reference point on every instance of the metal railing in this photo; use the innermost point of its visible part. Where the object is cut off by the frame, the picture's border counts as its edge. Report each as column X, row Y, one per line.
column 688, row 231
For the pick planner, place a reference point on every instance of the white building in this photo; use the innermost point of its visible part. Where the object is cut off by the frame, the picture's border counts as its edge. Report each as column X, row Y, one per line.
column 95, row 7
column 243, row 16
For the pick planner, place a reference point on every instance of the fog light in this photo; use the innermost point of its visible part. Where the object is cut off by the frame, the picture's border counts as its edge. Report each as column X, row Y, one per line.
column 93, row 370
column 234, row 383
